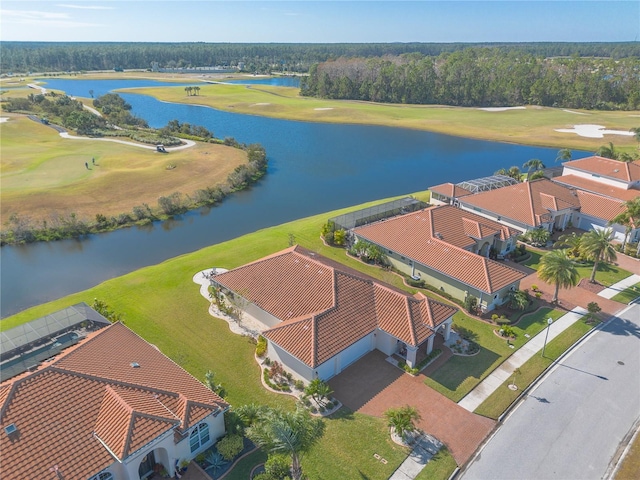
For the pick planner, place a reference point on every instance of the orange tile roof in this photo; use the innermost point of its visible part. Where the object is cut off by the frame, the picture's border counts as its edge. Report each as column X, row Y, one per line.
column 527, row 203
column 70, row 416
column 450, row 190
column 606, row 167
column 414, row 236
column 600, row 188
column 343, row 305
column 599, row 206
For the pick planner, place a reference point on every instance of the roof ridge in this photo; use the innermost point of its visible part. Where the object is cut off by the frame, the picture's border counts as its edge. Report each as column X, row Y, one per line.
column 412, row 328
column 532, row 210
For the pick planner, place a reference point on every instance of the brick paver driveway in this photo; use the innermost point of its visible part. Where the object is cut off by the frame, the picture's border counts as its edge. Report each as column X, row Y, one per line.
column 372, row 385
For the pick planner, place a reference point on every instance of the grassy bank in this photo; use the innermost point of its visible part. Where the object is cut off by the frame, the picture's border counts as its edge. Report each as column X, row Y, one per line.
column 44, row 175
column 530, row 126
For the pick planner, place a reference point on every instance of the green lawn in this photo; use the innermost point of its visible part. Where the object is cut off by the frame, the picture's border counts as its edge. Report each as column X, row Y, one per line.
column 243, row 468
column 628, row 294
column 440, row 467
column 606, row 274
column 500, row 400
column 459, row 375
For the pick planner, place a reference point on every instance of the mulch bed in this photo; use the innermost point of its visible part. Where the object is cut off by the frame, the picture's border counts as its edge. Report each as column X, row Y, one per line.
column 591, row 287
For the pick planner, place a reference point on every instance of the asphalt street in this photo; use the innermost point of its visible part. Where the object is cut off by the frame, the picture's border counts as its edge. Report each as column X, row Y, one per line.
column 570, row 425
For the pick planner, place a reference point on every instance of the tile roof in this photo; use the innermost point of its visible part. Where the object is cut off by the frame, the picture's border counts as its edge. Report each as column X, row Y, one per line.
column 91, row 398
column 450, row 190
column 414, row 236
column 598, row 206
column 343, row 305
column 528, row 203
column 600, row 188
column 606, row 167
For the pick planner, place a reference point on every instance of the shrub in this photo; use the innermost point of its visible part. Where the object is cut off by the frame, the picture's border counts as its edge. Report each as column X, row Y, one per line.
column 230, row 446
column 494, row 317
column 538, row 294
column 261, row 346
column 415, row 283
column 330, row 405
column 534, row 287
column 299, row 385
column 470, row 303
column 267, row 361
column 503, row 321
column 278, row 466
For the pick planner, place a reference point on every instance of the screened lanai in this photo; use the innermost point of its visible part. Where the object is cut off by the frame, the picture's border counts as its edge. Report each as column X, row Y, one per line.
column 378, row 212
column 487, row 183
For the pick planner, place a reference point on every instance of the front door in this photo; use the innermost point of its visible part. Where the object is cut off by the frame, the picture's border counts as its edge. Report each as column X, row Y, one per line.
column 145, row 470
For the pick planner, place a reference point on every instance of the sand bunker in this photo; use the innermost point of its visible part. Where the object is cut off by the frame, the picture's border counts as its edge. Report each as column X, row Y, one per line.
column 259, row 104
column 501, row 109
column 576, row 113
column 324, row 108
column 592, row 131
column 4, row 119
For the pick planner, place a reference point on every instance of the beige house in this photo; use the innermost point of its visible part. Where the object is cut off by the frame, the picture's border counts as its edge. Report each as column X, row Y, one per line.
column 449, row 249
column 323, row 316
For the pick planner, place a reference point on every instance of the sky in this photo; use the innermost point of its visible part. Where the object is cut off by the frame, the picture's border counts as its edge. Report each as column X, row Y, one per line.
column 300, row 21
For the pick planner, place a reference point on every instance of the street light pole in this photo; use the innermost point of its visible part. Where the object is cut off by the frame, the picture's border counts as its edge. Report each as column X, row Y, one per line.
column 546, row 335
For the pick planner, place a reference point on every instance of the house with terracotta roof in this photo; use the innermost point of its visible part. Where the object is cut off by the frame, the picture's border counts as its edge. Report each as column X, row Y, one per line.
column 449, row 248
column 110, row 407
column 447, row 193
column 524, row 206
column 322, row 316
column 603, row 185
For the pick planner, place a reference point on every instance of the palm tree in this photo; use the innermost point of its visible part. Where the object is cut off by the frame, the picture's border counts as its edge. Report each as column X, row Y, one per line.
column 564, row 155
column 596, row 246
column 630, row 217
column 188, row 90
column 514, row 172
column 570, row 241
column 607, row 151
column 402, row 419
column 518, row 300
column 293, row 433
column 533, row 165
column 558, row 269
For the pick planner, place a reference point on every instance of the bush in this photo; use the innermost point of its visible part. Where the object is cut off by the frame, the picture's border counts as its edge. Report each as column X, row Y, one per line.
column 330, row 405
column 470, row 303
column 261, row 346
column 503, row 321
column 278, row 466
column 299, row 385
column 230, row 446
column 494, row 317
column 415, row 283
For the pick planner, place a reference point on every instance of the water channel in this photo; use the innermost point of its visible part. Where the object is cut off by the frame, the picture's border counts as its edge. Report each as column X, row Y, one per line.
column 313, row 168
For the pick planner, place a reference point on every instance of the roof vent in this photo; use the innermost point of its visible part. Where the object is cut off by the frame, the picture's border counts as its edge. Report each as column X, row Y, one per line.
column 135, row 364
column 9, row 429
column 439, row 235
column 616, row 170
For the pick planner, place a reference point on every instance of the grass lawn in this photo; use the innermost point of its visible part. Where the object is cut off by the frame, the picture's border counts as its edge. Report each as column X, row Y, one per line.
column 500, row 400
column 530, row 126
column 440, row 467
column 628, row 294
column 44, row 174
column 606, row 274
column 630, row 467
column 460, row 374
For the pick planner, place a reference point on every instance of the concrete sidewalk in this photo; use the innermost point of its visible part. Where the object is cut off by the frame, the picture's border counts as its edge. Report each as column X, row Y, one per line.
column 424, row 449
column 501, row 374
column 616, row 288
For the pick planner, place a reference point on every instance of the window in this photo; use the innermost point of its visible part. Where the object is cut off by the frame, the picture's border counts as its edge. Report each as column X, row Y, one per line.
column 199, row 436
column 102, row 476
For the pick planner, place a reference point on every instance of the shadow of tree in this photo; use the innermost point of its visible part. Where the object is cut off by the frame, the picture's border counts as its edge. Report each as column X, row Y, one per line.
column 466, row 333
column 623, row 327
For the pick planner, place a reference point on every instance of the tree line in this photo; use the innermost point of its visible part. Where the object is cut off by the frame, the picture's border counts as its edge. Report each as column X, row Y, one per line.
column 480, row 77
column 24, row 57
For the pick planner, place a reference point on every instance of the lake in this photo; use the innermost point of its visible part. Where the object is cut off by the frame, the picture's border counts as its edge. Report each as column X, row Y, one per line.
column 313, row 168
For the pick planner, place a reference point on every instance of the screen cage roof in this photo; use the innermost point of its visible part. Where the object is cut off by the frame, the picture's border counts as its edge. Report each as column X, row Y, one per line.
column 367, row 215
column 487, row 183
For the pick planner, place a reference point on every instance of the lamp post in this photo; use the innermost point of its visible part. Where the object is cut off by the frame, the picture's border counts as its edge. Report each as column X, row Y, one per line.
column 546, row 335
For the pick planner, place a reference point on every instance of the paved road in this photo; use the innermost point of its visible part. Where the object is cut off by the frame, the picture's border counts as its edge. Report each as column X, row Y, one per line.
column 571, row 425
